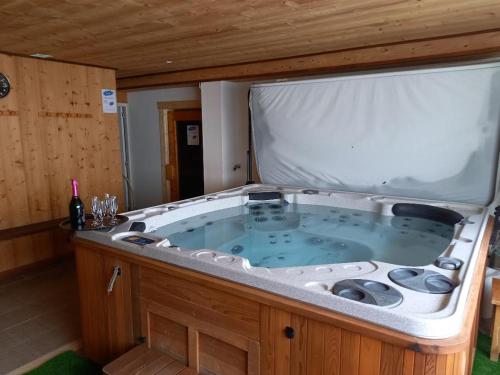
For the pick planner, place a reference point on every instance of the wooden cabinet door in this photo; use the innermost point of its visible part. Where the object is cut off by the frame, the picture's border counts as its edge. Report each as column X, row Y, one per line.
column 106, row 317
column 205, row 348
column 312, row 347
column 93, row 310
column 294, row 345
column 209, row 330
column 119, row 306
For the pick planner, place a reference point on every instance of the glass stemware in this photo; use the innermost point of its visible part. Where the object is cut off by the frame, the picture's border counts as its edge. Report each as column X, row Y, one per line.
column 100, row 212
column 113, row 209
column 107, row 203
column 96, row 203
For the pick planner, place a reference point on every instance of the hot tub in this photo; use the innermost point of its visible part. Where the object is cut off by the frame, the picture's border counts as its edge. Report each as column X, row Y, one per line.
column 405, row 264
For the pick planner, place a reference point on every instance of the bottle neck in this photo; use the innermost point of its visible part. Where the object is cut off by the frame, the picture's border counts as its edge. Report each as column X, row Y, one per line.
column 74, row 185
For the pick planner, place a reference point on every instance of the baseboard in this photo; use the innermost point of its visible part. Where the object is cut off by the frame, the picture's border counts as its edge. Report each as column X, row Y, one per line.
column 18, row 271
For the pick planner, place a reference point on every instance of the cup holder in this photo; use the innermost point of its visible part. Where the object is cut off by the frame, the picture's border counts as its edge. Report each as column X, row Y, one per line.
column 368, row 291
column 352, row 294
column 376, row 286
column 448, row 263
column 405, row 273
column 421, row 280
column 439, row 284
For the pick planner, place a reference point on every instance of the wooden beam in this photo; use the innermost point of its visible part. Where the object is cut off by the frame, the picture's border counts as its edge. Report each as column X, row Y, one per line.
column 26, row 230
column 477, row 45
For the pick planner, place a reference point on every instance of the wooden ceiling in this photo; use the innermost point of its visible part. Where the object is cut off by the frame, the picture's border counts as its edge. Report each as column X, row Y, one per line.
column 138, row 37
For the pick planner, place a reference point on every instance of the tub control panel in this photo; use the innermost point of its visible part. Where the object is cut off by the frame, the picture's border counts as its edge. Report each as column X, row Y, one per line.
column 138, row 240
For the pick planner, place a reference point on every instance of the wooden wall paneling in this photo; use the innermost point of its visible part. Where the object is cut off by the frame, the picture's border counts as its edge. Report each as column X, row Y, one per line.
column 419, row 364
column 408, row 362
column 54, row 130
column 194, row 349
column 315, row 347
column 93, row 132
column 33, row 139
column 14, row 208
column 282, row 344
column 105, row 158
column 298, row 360
column 273, row 342
column 267, row 327
column 441, row 361
column 370, row 356
column 136, row 302
column 57, row 96
column 333, row 345
column 81, row 137
column 23, row 252
column 59, row 132
column 113, row 156
column 350, row 352
column 7, row 258
column 391, row 359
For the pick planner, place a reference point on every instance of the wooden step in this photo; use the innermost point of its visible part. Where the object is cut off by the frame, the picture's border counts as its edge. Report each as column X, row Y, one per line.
column 145, row 361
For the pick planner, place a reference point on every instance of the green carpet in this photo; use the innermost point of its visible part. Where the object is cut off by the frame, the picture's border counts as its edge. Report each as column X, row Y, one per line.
column 482, row 363
column 70, row 363
column 67, row 363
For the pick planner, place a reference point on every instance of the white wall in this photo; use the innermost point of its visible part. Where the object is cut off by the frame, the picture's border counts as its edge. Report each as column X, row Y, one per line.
column 225, row 134
column 144, row 140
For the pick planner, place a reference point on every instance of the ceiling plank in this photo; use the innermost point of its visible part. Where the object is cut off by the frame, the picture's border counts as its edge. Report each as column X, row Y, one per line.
column 138, row 37
column 477, row 45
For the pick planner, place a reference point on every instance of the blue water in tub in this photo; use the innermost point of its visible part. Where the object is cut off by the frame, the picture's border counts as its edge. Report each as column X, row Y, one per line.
column 278, row 235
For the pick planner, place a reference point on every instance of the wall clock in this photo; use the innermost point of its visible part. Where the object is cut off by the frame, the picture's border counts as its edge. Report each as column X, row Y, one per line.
column 4, row 86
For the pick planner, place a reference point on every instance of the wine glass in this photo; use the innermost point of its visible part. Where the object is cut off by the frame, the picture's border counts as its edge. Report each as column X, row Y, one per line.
column 113, row 209
column 100, row 211
column 96, row 203
column 106, row 204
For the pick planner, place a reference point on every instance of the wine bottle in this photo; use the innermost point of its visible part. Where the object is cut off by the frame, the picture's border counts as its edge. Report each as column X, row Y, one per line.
column 76, row 208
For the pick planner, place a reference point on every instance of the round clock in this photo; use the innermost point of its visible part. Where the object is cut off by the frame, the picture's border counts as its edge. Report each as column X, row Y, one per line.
column 4, row 86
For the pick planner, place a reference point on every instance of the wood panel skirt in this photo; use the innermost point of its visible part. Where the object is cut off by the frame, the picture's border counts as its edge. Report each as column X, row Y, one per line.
column 219, row 327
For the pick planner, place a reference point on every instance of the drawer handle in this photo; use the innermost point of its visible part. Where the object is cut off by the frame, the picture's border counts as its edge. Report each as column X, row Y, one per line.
column 289, row 332
column 117, row 271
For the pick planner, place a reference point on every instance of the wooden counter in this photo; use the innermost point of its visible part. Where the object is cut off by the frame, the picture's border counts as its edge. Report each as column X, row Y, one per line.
column 221, row 327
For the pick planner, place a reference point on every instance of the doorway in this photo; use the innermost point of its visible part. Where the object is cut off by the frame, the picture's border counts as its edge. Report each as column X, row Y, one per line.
column 182, row 153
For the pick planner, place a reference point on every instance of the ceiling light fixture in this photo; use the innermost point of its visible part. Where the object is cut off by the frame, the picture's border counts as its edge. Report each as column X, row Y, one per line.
column 169, row 62
column 41, row 55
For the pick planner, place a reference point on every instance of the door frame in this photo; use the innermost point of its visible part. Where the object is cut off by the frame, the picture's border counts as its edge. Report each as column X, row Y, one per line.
column 123, row 118
column 164, row 109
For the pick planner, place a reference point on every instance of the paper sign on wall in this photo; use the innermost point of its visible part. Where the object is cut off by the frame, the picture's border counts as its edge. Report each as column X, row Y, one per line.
column 193, row 135
column 108, row 101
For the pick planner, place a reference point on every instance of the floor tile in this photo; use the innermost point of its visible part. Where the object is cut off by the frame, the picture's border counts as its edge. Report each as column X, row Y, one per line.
column 38, row 314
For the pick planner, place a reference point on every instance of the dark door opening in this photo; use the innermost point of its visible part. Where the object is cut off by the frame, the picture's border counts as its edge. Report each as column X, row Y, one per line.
column 185, row 150
column 190, row 156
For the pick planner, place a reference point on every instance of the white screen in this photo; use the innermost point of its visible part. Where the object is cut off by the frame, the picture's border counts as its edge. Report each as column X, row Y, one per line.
column 429, row 134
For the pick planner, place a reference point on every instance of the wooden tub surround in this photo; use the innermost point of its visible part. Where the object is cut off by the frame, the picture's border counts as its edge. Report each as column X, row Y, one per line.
column 219, row 327
column 495, row 300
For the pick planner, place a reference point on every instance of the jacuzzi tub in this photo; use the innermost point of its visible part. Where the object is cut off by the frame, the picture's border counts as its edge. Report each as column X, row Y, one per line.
column 404, row 264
